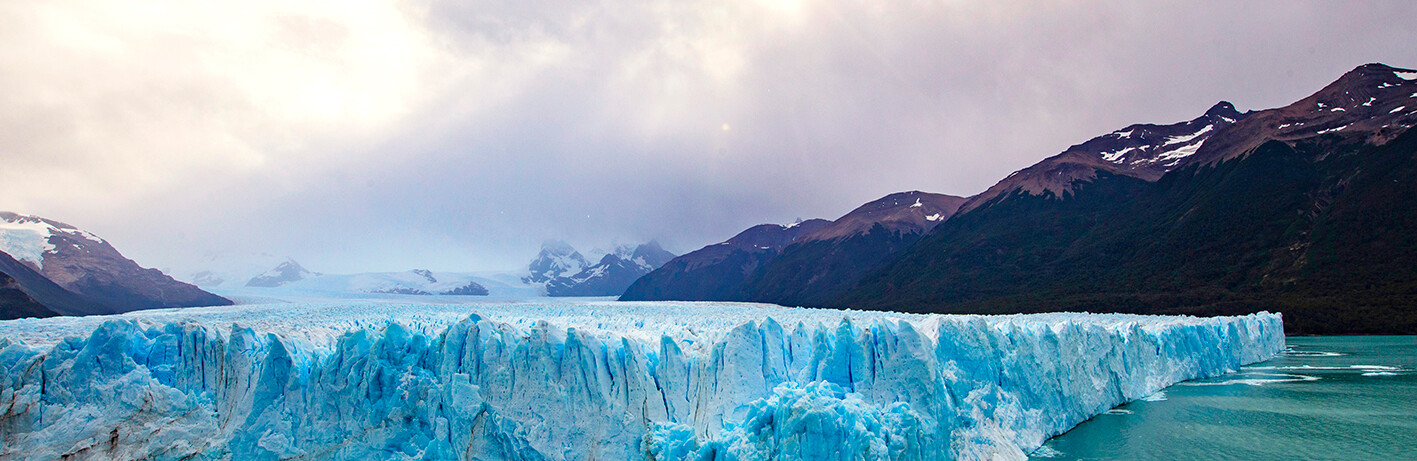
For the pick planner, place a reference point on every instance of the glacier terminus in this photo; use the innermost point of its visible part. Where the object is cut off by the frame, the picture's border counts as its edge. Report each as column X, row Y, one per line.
column 586, row 380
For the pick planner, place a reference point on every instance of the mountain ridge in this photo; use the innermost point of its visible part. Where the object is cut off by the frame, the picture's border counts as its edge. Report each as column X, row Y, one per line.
column 801, row 264
column 92, row 277
column 1305, row 209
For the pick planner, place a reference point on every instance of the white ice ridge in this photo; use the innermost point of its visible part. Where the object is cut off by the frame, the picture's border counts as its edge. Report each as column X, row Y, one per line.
column 582, row 381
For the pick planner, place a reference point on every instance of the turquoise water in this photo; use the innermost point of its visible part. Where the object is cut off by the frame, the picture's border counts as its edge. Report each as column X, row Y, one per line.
column 1325, row 398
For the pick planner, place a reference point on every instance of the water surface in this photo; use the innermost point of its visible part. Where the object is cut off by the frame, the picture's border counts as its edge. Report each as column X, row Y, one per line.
column 1351, row 397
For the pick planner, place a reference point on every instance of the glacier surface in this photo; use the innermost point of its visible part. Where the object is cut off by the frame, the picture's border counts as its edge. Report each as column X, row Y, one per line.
column 582, row 381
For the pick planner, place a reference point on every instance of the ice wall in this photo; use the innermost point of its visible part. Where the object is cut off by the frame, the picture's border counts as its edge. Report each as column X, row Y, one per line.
column 697, row 382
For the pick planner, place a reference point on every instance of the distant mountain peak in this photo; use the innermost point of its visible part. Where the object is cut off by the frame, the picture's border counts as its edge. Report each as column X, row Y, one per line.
column 426, row 274
column 1223, row 109
column 556, row 259
column 614, row 272
column 286, row 272
column 1378, row 70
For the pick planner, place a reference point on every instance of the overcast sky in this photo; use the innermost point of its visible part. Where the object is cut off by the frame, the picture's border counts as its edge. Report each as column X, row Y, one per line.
column 358, row 135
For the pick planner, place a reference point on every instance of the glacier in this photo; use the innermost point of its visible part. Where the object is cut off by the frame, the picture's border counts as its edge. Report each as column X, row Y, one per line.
column 586, row 380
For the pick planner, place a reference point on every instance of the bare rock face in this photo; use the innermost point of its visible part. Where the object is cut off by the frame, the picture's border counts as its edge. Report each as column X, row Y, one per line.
column 87, row 265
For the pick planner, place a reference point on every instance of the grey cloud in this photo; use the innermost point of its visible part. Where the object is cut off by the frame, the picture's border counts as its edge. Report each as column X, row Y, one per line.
column 594, row 122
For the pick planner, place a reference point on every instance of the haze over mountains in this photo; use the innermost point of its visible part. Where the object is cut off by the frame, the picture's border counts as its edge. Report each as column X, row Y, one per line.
column 565, row 272
column 557, row 270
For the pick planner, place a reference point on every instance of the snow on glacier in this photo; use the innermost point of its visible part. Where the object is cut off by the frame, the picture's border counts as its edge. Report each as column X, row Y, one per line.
column 579, row 381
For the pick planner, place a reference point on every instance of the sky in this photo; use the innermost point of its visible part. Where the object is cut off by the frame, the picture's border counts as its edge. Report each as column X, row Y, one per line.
column 365, row 135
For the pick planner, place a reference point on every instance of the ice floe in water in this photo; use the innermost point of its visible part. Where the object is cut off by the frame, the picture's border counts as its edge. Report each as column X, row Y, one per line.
column 1256, row 379
column 1047, row 452
column 581, row 381
column 1297, row 353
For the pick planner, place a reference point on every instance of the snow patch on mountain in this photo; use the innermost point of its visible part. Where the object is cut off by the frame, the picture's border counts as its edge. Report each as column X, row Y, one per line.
column 1116, row 157
column 1187, row 138
column 25, row 241
column 556, row 259
column 27, row 238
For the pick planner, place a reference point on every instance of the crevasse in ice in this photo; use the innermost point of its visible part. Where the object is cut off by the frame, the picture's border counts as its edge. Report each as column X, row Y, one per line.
column 583, row 381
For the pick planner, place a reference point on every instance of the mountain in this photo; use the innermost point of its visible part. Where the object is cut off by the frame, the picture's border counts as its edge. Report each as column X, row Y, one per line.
column 613, row 274
column 416, row 282
column 556, row 259
column 719, row 272
column 1307, row 209
column 822, row 265
column 805, row 264
column 227, row 270
column 39, row 289
column 16, row 303
column 286, row 272
column 1142, row 151
column 86, row 265
column 452, row 286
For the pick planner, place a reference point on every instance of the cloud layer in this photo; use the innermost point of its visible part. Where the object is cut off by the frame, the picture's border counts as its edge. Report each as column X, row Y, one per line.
column 374, row 135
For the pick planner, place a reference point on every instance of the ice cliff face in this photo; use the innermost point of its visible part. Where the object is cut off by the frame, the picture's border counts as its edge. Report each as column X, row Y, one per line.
column 586, row 381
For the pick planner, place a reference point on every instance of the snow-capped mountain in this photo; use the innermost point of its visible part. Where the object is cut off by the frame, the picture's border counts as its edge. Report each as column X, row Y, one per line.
column 1144, row 151
column 226, row 270
column 414, row 282
column 556, row 259
column 31, row 238
column 88, row 266
column 613, row 273
column 286, row 272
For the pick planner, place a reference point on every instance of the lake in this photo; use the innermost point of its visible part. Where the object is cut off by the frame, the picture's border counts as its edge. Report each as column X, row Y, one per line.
column 1350, row 397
